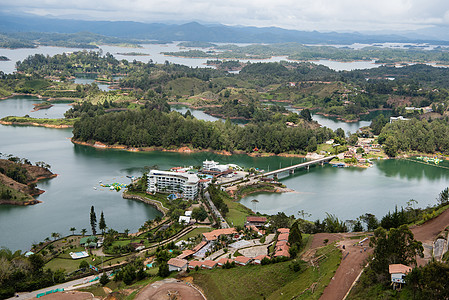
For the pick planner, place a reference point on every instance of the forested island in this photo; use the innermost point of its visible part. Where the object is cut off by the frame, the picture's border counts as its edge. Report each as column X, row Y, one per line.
column 18, row 179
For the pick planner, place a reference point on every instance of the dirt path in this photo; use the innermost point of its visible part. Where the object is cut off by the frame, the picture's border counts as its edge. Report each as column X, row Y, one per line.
column 427, row 233
column 352, row 263
column 163, row 289
column 353, row 257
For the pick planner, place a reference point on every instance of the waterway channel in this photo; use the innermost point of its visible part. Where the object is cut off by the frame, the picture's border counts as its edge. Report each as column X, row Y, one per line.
column 347, row 192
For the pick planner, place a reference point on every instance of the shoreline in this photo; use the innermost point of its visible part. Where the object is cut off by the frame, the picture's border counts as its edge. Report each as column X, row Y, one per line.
column 36, row 124
column 156, row 204
column 184, row 149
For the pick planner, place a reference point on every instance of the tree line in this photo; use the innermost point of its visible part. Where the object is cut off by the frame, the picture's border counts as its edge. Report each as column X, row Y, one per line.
column 149, row 127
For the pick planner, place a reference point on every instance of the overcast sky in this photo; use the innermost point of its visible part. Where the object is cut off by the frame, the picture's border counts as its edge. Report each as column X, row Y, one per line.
column 323, row 15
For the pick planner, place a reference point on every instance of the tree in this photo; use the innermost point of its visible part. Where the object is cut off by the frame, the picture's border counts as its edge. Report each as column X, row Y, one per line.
column 391, row 146
column 102, row 224
column 443, row 197
column 72, row 229
column 104, row 279
column 163, row 269
column 305, row 114
column 83, row 231
column 295, row 237
column 396, row 247
column 370, row 220
column 55, row 235
column 84, row 264
column 199, row 213
column 93, row 220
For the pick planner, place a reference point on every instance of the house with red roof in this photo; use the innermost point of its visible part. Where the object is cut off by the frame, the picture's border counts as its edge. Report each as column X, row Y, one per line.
column 256, row 221
column 194, row 263
column 283, row 230
column 208, row 264
column 242, row 260
column 223, row 261
column 177, row 264
column 258, row 259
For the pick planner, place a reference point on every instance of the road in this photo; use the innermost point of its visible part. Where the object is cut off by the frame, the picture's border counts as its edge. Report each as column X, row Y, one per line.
column 67, row 286
column 222, row 221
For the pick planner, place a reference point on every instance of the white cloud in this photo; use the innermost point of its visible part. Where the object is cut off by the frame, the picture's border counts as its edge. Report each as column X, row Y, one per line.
column 294, row 14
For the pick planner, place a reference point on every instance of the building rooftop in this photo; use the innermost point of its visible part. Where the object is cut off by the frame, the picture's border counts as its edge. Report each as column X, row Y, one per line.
column 191, row 178
column 177, row 262
column 242, row 259
column 224, row 260
column 283, row 237
column 209, row 263
column 256, row 219
column 213, row 235
column 399, row 268
column 284, row 230
column 185, row 253
column 195, row 263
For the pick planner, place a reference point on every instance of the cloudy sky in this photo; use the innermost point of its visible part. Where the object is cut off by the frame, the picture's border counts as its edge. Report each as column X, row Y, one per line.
column 323, row 15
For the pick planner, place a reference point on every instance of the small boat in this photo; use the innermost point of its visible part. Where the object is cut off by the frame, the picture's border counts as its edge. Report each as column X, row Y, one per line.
column 95, row 187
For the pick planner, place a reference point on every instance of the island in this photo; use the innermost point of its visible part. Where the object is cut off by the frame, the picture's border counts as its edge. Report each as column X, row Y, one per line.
column 18, row 178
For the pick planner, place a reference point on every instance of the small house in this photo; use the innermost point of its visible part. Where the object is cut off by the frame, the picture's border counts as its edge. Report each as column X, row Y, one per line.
column 255, row 221
column 194, row 263
column 398, row 272
column 208, row 264
column 242, row 260
column 258, row 259
column 223, row 261
column 177, row 264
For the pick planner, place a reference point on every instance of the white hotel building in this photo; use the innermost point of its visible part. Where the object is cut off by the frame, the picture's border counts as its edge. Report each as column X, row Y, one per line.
column 173, row 182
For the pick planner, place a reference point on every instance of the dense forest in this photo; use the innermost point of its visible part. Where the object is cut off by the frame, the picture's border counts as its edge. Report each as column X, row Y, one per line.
column 152, row 128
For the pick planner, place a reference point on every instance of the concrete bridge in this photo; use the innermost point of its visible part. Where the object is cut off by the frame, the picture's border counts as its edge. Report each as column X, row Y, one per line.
column 291, row 169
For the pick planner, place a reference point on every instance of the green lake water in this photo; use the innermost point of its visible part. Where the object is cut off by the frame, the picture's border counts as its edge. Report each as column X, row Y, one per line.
column 347, row 192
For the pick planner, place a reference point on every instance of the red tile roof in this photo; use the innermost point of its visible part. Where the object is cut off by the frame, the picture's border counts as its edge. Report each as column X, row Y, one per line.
column 283, row 237
column 209, row 263
column 282, row 253
column 224, row 260
column 213, row 235
column 399, row 268
column 194, row 263
column 199, row 246
column 185, row 253
column 242, row 259
column 284, row 230
column 260, row 257
column 177, row 262
column 256, row 219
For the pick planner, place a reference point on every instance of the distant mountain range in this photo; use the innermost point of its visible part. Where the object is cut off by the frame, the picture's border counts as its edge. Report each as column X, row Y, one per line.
column 194, row 31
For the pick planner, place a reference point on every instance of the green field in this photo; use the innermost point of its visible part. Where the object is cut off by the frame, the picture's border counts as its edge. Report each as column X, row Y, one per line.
column 275, row 281
column 237, row 212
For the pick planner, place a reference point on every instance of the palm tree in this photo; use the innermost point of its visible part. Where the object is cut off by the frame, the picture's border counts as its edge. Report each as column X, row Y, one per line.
column 83, row 231
column 72, row 229
column 55, row 235
column 126, row 232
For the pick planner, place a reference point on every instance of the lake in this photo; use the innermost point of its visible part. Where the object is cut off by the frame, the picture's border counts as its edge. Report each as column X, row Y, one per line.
column 347, row 192
column 153, row 52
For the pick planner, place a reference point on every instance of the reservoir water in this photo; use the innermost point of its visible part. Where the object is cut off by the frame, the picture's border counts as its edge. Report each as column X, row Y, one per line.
column 154, row 52
column 347, row 192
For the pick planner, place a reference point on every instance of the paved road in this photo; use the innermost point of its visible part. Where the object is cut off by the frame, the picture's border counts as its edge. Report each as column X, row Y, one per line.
column 67, row 286
column 221, row 220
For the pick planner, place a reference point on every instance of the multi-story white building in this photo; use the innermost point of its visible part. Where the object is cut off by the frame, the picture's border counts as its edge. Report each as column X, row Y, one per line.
column 173, row 182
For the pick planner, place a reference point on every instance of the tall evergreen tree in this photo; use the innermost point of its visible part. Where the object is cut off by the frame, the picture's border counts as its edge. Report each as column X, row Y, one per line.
column 93, row 220
column 102, row 223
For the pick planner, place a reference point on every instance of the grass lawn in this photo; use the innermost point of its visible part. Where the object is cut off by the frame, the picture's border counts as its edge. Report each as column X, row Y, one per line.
column 237, row 212
column 69, row 265
column 276, row 281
